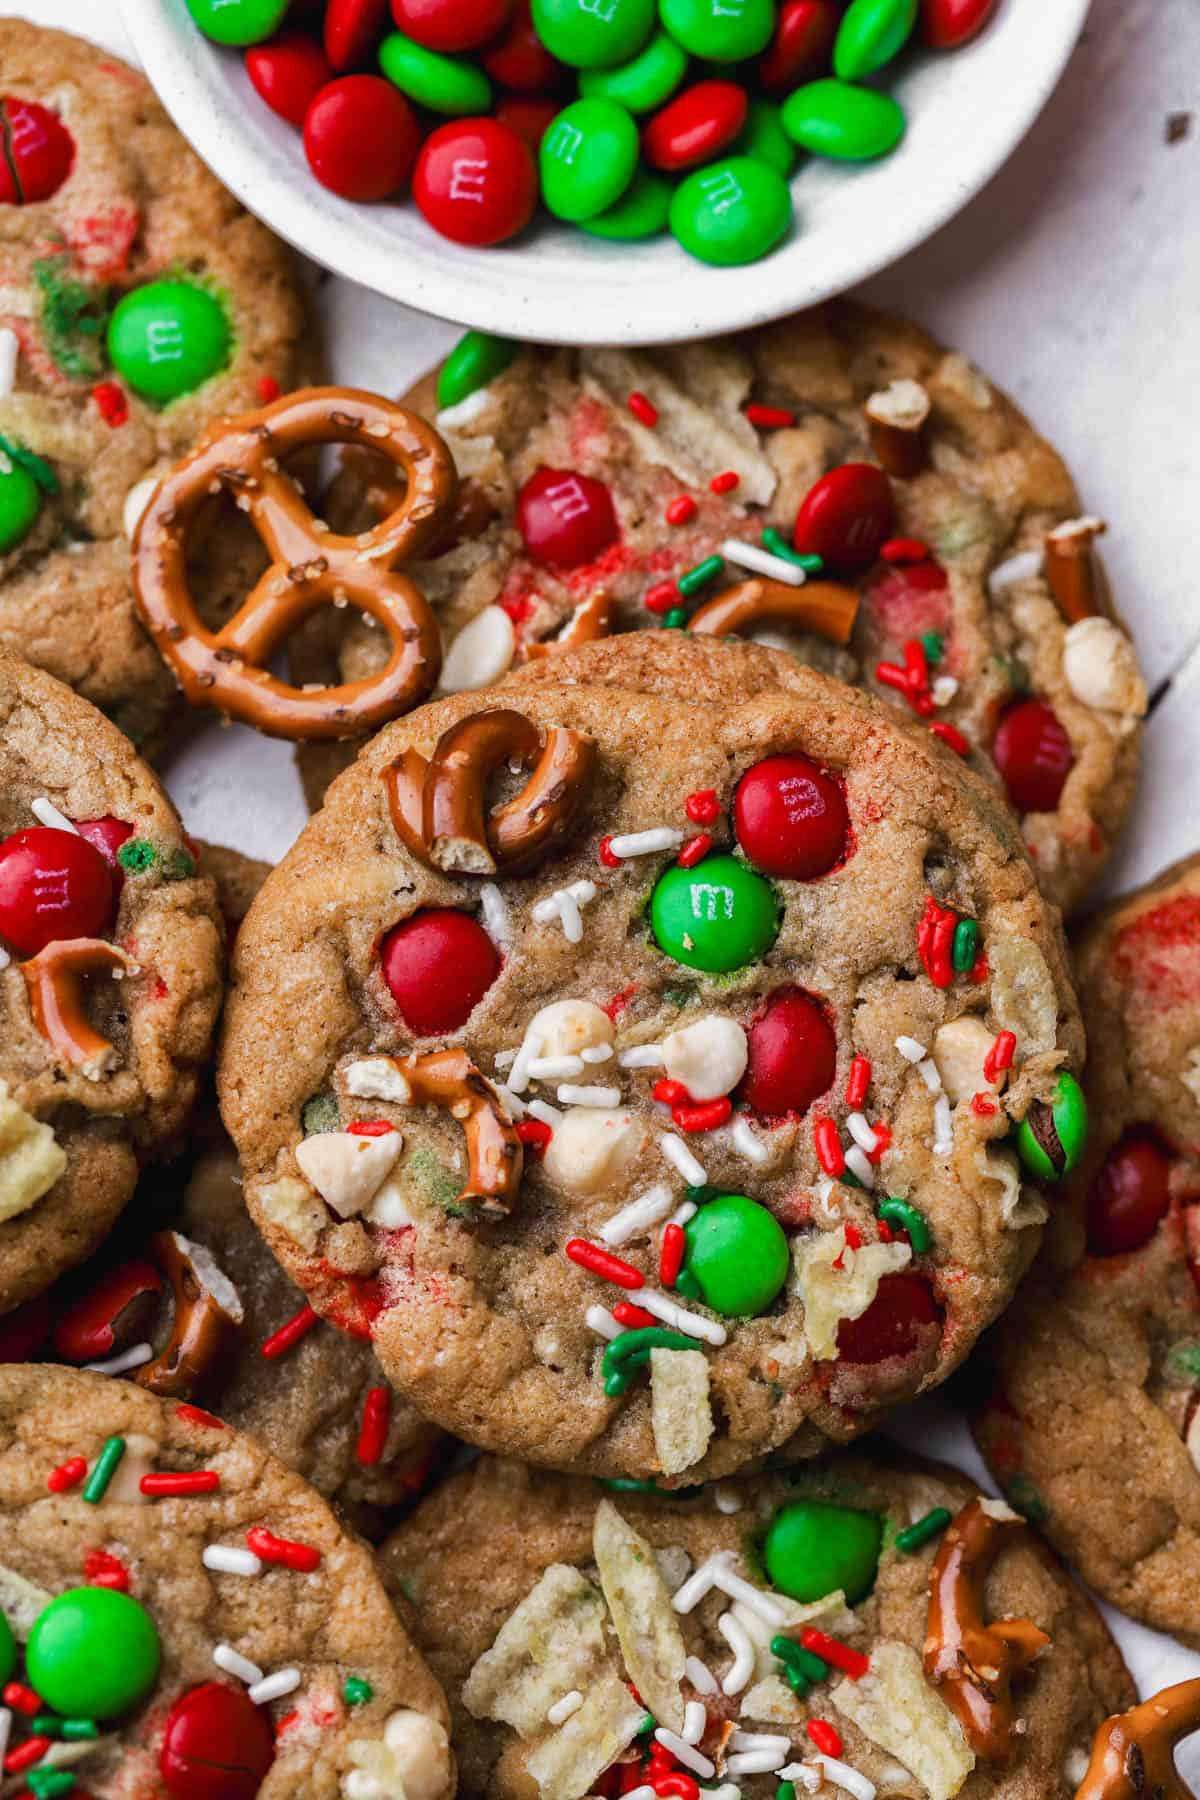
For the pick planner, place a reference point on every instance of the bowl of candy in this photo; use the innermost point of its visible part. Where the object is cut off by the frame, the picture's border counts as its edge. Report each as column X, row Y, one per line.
column 605, row 171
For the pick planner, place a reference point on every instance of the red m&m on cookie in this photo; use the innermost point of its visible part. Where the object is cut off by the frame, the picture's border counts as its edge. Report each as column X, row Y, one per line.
column 217, row 1745
column 36, row 152
column 53, row 885
column 1034, row 756
column 846, row 517
column 438, row 965
column 904, row 1308
column 1130, row 1196
column 790, row 817
column 792, row 1056
column 566, row 518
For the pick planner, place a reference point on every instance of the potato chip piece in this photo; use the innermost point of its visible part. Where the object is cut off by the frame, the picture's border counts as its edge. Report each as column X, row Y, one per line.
column 896, row 1708
column 680, row 1413
column 773, row 1702
column 292, row 1205
column 829, row 1614
column 836, row 1283
column 1019, row 1206
column 31, row 1158
column 567, row 1763
column 552, row 1642
column 21, row 1601
column 1023, row 995
column 640, row 1605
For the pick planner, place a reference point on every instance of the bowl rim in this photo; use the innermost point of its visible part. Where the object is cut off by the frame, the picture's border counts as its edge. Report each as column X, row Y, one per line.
column 490, row 290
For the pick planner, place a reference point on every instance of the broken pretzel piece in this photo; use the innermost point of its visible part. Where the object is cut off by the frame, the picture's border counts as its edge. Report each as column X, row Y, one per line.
column 1133, row 1752
column 591, row 620
column 206, row 1315
column 896, row 420
column 826, row 607
column 1071, row 568
column 55, row 979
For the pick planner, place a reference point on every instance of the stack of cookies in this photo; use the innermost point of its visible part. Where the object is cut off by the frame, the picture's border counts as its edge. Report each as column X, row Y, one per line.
column 657, row 1063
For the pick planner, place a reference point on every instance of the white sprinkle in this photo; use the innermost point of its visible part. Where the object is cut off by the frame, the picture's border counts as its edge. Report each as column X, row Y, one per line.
column 928, row 1071
column 641, row 1056
column 742, row 1667
column 861, row 1131
column 496, row 917
column 760, row 1740
column 684, row 1213
column 805, row 1776
column 726, row 1499
column 762, row 1605
column 842, row 1775
column 549, row 1115
column 9, row 348
column 681, row 1158
column 562, row 1709
column 284, row 1681
column 700, row 1582
column 756, row 1762
column 564, row 904
column 5, row 1729
column 679, row 1318
column 1022, row 567
column 572, row 918
column 641, row 1215
column 47, row 813
column 746, row 1144
column 645, row 843
column 700, row 1676
column 695, row 1719
column 601, row 1321
column 943, row 1127
column 860, row 1164
column 685, row 1753
column 555, row 1068
column 572, row 1095
column 227, row 1559
column 132, row 1358
column 512, row 1104
column 910, row 1049
column 752, row 556
column 944, row 690
column 233, row 1663
column 596, row 1053
column 532, row 1045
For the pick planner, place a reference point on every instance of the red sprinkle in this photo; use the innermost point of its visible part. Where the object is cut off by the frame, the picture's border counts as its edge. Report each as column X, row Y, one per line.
column 983, row 1106
column 695, row 850
column 170, row 1484
column 67, row 1476
column 662, row 597
column 285, row 1551
column 675, row 1785
column 26, row 1754
column 373, row 1431
column 725, row 482
column 21, row 1699
column 853, row 1236
column 102, row 1569
column 643, row 410
column 824, row 1737
column 935, row 942
column 196, row 1415
column 636, row 1318
column 702, row 807
column 535, row 1134
column 670, row 1255
column 267, row 389
column 669, row 1093
column 904, row 550
column 289, row 1333
column 1000, row 1055
column 598, row 1261
column 111, row 402
column 851, row 1662
column 950, row 734
column 705, row 1115
column 828, row 1145
column 858, row 1081
column 369, row 1128
column 681, row 509
column 605, row 852
column 770, row 418
column 883, row 1140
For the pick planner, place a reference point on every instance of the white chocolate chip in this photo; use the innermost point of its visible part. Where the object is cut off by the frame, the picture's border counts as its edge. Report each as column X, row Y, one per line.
column 136, row 502
column 569, row 1027
column 591, row 1149
column 412, row 1762
column 293, row 1206
column 709, row 1057
column 1101, row 668
column 481, row 653
column 347, row 1169
column 959, row 1049
column 376, row 1078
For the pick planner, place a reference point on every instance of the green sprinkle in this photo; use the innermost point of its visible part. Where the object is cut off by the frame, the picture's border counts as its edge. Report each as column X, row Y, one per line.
column 966, row 946
column 931, row 1526
column 357, row 1691
column 778, row 545
column 136, row 856
column 934, row 644
column 810, row 1668
column 47, row 1725
column 75, row 1731
column 797, row 1680
column 648, row 1724
column 849, row 1179
column 700, row 1196
column 320, row 1113
column 105, row 1469
column 632, row 1349
column 46, row 1782
column 34, row 465
column 688, row 1286
column 785, row 1649
column 178, row 865
column 786, row 1791
column 902, row 1215
column 695, row 578
column 73, row 318
column 675, row 619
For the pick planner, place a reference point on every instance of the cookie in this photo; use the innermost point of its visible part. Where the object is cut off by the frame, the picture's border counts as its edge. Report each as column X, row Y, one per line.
column 111, row 948
column 237, row 877
column 801, row 1626
column 167, row 1580
column 956, row 577
column 1093, row 1427
column 138, row 301
column 632, row 1102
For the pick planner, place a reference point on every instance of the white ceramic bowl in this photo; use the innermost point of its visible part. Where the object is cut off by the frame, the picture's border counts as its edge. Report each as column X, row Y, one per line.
column 967, row 112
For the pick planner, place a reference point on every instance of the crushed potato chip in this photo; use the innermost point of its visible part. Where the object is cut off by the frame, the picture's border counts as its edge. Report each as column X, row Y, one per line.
column 1023, row 996
column 772, row 1702
column 680, row 1413
column 829, row 1614
column 1019, row 1206
column 553, row 1641
column 567, row 1763
column 896, row 1708
column 31, row 1159
column 293, row 1206
column 836, row 1283
column 21, row 1601
column 646, row 1623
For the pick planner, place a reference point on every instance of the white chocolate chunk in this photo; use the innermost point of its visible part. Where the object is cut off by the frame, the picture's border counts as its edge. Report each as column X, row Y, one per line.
column 709, row 1056
column 959, row 1049
column 569, row 1027
column 411, row 1763
column 836, row 1283
column 1101, row 668
column 376, row 1078
column 480, row 654
column 347, row 1169
column 591, row 1148
column 293, row 1206
column 895, row 1707
column 31, row 1158
column 680, row 1410
column 554, row 1640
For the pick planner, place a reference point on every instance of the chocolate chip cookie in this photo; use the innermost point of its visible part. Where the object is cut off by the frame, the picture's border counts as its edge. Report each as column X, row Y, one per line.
column 650, row 1084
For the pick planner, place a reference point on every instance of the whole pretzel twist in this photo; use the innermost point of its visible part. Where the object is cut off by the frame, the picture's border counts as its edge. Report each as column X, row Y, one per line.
column 310, row 565
column 975, row 1663
column 55, row 979
column 1133, row 1752
column 438, row 806
column 826, row 607
column 449, row 1080
column 201, row 1327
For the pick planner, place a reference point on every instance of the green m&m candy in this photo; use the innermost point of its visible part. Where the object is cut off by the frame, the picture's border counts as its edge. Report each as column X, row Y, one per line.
column 1050, row 1139
column 238, row 22
column 641, row 211
column 731, row 212
column 167, row 339
column 476, row 359
column 93, row 1653
column 20, row 502
column 813, row 1548
column 764, row 139
column 738, row 1255
column 835, row 119
column 645, row 82
column 721, row 31
column 593, row 34
column 444, row 84
column 8, row 1650
column 718, row 916
column 587, row 158
column 870, row 34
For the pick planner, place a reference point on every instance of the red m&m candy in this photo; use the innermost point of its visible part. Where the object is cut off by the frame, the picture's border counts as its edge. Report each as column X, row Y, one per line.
column 352, row 30
column 37, row 152
column 529, row 118
column 802, row 48
column 288, row 73
column 792, row 1056
column 520, row 59
column 1034, row 756
column 696, row 125
column 476, row 181
column 566, row 518
column 451, row 25
column 361, row 137
column 945, row 24
column 217, row 1745
column 438, row 965
column 904, row 1306
column 1130, row 1195
column 52, row 885
column 846, row 516
column 790, row 818
column 107, row 835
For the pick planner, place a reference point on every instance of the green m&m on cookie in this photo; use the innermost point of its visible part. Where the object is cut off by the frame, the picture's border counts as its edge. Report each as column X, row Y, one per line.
column 813, row 1548
column 20, row 502
column 717, row 916
column 737, row 1255
column 1050, row 1139
column 93, row 1653
column 167, row 339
